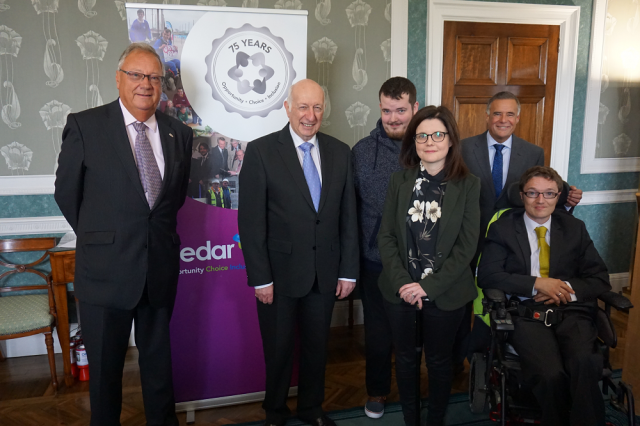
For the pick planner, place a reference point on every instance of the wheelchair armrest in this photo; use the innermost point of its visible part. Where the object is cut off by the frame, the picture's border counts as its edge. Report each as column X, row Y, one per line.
column 616, row 300
column 494, row 295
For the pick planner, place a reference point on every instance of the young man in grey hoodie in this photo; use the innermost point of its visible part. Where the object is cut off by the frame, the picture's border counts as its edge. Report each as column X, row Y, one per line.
column 375, row 158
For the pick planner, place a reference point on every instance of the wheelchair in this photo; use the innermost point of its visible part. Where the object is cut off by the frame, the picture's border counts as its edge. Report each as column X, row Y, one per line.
column 495, row 375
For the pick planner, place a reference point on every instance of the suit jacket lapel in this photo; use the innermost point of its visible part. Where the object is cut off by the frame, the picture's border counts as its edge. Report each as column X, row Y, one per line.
column 482, row 156
column 405, row 191
column 523, row 241
column 326, row 164
column 516, row 162
column 450, row 199
column 122, row 146
column 168, row 141
column 556, row 246
column 289, row 155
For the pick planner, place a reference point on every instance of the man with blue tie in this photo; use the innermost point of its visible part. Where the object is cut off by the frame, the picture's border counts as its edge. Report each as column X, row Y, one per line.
column 299, row 232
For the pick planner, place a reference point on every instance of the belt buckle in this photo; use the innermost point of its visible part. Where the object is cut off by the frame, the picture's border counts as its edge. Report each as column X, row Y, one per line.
column 546, row 315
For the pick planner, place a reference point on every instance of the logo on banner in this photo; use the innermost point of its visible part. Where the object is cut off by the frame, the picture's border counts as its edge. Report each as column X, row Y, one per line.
column 249, row 71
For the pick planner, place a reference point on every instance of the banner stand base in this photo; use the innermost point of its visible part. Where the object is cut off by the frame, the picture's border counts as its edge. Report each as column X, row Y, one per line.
column 190, row 407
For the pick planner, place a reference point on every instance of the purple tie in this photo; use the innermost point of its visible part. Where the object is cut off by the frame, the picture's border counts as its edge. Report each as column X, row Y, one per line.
column 147, row 165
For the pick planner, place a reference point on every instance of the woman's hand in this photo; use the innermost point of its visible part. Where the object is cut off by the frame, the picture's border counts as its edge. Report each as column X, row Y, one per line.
column 412, row 293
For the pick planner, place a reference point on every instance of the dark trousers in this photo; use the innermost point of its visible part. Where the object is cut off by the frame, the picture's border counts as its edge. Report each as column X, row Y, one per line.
column 563, row 365
column 312, row 315
column 463, row 336
column 439, row 329
column 105, row 332
column 377, row 335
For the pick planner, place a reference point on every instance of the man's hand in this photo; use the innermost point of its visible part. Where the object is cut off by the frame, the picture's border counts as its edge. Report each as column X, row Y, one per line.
column 344, row 288
column 556, row 290
column 574, row 197
column 265, row 295
column 412, row 293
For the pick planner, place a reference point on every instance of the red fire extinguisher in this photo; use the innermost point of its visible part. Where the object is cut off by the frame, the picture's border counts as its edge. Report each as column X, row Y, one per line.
column 83, row 363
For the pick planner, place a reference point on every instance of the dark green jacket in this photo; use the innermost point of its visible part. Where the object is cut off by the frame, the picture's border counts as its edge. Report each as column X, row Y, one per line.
column 451, row 285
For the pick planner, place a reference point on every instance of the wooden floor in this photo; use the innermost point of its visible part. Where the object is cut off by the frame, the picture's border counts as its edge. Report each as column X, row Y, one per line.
column 27, row 399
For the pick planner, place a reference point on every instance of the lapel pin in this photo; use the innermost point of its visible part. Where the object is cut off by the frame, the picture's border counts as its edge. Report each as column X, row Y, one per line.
column 171, row 134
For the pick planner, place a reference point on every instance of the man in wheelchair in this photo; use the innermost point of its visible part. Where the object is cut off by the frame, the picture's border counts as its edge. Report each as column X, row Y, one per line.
column 546, row 263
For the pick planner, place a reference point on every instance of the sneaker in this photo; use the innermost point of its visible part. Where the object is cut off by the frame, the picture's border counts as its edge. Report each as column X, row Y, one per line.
column 374, row 408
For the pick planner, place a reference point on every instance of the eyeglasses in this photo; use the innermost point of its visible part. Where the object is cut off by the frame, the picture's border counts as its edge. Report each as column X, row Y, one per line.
column 435, row 136
column 154, row 79
column 548, row 195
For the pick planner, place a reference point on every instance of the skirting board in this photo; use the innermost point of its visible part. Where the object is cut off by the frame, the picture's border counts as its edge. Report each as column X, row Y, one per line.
column 34, row 345
column 203, row 404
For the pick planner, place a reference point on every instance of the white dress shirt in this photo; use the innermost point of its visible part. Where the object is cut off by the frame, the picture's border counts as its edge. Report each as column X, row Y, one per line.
column 315, row 155
column 506, row 155
column 153, row 134
column 315, row 151
column 531, row 226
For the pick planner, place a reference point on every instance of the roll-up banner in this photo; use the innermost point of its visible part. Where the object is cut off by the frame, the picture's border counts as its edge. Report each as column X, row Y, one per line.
column 227, row 73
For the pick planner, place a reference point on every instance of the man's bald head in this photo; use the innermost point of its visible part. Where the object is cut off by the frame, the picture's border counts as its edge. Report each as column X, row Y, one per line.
column 305, row 108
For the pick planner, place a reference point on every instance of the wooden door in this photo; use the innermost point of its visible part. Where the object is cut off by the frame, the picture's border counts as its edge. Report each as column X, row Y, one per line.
column 482, row 59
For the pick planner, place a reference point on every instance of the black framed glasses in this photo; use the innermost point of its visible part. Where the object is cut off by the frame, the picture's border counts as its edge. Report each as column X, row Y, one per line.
column 435, row 136
column 154, row 79
column 548, row 194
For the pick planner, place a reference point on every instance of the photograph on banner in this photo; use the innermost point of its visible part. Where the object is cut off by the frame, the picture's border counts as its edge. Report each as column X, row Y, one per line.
column 216, row 162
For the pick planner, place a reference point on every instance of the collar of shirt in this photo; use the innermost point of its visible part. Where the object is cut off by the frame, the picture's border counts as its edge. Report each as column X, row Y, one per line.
column 315, row 152
column 491, row 141
column 153, row 134
column 152, row 124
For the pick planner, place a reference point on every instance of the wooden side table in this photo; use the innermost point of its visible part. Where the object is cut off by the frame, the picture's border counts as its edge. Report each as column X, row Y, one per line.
column 63, row 266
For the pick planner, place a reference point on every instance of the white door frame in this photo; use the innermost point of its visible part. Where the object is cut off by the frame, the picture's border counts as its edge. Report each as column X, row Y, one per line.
column 568, row 17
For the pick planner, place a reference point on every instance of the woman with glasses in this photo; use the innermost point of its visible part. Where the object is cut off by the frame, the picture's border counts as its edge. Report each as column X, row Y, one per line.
column 428, row 236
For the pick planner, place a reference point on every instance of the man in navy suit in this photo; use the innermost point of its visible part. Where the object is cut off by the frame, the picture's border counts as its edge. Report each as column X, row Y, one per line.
column 299, row 232
column 122, row 177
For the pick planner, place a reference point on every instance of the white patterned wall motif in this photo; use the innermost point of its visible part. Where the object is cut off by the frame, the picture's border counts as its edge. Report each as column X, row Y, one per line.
column 93, row 48
column 85, row 7
column 324, row 51
column 10, row 42
column 17, row 156
column 4, row 6
column 357, row 115
column 54, row 116
column 323, row 8
column 358, row 13
column 52, row 54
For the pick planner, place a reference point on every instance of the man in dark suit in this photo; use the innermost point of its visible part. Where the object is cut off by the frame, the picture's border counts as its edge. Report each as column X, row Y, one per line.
column 498, row 158
column 544, row 259
column 122, row 177
column 515, row 155
column 298, row 226
column 219, row 158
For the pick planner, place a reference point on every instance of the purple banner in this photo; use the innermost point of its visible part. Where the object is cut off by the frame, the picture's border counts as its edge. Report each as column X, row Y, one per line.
column 215, row 339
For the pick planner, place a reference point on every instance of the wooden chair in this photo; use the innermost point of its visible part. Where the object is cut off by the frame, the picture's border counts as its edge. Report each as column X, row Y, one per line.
column 27, row 314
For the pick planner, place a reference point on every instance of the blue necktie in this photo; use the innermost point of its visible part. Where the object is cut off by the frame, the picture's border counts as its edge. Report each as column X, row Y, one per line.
column 496, row 172
column 311, row 174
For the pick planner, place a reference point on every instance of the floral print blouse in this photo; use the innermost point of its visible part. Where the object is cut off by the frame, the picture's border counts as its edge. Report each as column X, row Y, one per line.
column 423, row 220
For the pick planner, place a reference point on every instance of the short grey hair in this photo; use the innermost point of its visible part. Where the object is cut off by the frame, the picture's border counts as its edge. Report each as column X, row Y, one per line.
column 500, row 96
column 290, row 98
column 133, row 47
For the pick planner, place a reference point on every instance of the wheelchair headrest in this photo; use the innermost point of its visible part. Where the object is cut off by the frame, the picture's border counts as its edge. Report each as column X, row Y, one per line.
column 514, row 195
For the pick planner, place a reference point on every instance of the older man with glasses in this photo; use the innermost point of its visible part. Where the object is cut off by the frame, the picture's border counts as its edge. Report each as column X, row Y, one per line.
column 122, row 177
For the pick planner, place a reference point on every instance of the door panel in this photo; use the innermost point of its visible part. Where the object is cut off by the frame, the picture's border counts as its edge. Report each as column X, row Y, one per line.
column 482, row 59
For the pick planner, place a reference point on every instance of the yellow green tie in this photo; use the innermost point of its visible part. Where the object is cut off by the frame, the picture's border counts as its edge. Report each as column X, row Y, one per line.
column 541, row 232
